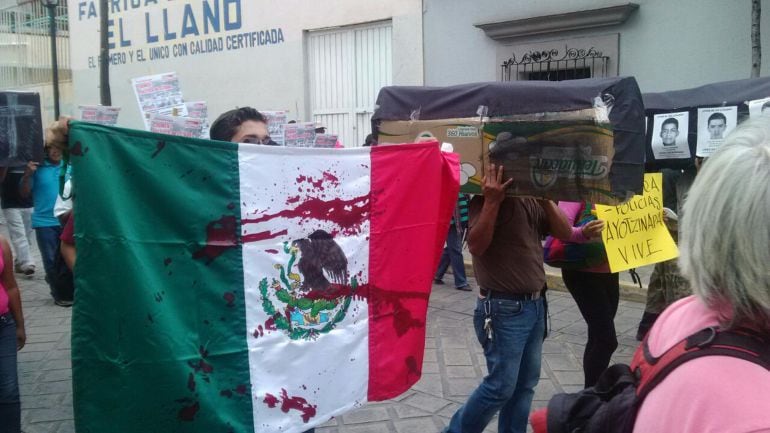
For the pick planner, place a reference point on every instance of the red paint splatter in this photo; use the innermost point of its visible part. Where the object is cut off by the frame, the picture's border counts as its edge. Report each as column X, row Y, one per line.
column 261, row 236
column 297, row 403
column 270, row 324
column 412, row 369
column 347, row 214
column 241, row 389
column 77, row 149
column 229, row 298
column 167, row 261
column 158, row 148
column 191, row 382
column 271, row 251
column 226, row 393
column 201, row 365
column 270, row 400
column 332, row 179
column 187, row 413
column 221, row 235
column 292, row 200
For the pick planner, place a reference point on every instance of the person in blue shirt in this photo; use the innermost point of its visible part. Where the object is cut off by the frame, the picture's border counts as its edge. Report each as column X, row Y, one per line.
column 41, row 181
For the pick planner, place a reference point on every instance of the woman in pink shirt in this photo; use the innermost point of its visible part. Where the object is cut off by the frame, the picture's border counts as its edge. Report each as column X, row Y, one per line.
column 596, row 291
column 725, row 254
column 12, row 339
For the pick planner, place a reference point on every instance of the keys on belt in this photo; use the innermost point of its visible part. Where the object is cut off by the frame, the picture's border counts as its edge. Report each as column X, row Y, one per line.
column 488, row 318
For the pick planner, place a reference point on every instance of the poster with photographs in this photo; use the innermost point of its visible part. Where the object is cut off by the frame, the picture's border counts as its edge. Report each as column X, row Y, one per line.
column 713, row 126
column 299, row 134
column 275, row 124
column 669, row 135
column 100, row 114
column 180, row 126
column 759, row 107
column 159, row 94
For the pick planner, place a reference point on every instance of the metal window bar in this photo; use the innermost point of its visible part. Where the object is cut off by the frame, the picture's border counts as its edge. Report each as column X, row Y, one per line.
column 547, row 65
column 25, row 45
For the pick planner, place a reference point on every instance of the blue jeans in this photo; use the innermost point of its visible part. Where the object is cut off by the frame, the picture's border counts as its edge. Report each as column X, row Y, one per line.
column 10, row 405
column 513, row 364
column 453, row 254
column 48, row 244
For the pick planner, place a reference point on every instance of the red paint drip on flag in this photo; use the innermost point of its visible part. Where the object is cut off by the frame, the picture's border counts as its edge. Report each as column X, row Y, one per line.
column 347, row 214
column 297, row 403
column 221, row 235
column 187, row 413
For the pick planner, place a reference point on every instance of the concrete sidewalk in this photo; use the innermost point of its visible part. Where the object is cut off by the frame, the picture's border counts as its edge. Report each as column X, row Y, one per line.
column 454, row 363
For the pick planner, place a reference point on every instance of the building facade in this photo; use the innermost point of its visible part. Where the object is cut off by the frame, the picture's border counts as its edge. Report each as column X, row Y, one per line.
column 666, row 45
column 322, row 61
column 326, row 61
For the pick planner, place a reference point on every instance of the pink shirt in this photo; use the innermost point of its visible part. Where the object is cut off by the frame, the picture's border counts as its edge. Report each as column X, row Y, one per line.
column 3, row 293
column 713, row 394
column 572, row 210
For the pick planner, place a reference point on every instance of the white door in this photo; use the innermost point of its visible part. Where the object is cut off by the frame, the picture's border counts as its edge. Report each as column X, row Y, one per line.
column 347, row 67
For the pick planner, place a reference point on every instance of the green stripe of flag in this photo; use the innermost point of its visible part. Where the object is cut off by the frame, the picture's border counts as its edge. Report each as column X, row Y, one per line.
column 159, row 337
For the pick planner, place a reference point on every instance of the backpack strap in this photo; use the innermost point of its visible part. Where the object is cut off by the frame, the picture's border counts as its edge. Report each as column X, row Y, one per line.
column 742, row 343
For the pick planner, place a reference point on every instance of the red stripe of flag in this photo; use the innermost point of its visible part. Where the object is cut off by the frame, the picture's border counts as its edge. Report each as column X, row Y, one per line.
column 413, row 192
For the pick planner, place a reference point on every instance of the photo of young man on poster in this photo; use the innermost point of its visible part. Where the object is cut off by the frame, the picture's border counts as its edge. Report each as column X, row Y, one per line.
column 669, row 136
column 713, row 126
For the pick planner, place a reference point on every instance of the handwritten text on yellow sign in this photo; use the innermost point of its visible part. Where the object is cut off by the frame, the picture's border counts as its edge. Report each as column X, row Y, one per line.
column 634, row 233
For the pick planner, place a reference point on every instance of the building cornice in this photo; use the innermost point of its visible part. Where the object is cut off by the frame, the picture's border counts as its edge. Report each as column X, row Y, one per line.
column 578, row 20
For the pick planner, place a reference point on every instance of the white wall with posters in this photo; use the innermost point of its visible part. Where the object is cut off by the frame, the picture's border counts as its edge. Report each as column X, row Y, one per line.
column 228, row 52
column 665, row 44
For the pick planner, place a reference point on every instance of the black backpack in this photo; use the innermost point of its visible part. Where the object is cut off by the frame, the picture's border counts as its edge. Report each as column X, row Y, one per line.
column 611, row 405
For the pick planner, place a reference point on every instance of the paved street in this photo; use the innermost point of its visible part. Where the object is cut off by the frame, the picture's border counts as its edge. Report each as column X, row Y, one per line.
column 453, row 364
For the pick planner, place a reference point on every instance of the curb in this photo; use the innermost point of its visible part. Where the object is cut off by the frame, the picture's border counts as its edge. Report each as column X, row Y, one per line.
column 628, row 291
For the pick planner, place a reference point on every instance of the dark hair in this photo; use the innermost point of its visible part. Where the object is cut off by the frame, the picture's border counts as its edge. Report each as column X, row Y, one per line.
column 370, row 140
column 672, row 121
column 717, row 116
column 766, row 105
column 226, row 125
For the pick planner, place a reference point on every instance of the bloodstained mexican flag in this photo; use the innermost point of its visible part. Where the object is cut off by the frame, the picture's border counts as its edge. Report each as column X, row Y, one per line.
column 229, row 287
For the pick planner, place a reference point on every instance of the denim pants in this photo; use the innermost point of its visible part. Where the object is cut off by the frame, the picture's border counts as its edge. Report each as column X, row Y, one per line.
column 453, row 254
column 48, row 244
column 513, row 363
column 10, row 405
column 20, row 231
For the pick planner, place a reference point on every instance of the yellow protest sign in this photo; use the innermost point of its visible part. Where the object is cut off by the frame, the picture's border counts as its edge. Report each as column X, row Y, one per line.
column 634, row 233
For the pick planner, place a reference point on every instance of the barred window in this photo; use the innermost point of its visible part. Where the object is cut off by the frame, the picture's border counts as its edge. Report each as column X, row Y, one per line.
column 556, row 65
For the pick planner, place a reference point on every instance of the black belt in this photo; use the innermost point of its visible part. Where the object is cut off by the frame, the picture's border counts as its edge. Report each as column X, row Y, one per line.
column 494, row 294
column 6, row 317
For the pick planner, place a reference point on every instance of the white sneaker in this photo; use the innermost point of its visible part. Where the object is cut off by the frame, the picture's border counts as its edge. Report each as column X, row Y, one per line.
column 28, row 270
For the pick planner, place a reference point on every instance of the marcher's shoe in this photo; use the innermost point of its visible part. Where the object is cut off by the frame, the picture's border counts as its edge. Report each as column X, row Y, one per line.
column 63, row 303
column 437, row 281
column 465, row 288
column 28, row 270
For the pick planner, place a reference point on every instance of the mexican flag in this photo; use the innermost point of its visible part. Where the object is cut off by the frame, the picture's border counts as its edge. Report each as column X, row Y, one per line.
column 228, row 287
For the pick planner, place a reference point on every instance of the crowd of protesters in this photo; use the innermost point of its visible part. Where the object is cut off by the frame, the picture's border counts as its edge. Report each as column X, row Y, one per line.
column 723, row 235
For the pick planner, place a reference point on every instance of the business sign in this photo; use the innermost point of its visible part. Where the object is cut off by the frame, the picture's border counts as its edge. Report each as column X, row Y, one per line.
column 144, row 31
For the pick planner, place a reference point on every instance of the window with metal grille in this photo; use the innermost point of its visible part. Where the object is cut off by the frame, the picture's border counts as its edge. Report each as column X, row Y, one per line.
column 554, row 65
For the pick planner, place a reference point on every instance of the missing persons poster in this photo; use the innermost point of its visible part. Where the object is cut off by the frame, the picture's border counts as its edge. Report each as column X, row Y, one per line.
column 759, row 107
column 714, row 124
column 669, row 135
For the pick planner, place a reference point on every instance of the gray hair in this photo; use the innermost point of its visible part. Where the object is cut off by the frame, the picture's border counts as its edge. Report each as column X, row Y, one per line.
column 725, row 228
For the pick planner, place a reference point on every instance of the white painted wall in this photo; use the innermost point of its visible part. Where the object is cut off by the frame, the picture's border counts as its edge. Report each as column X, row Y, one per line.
column 266, row 77
column 665, row 44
